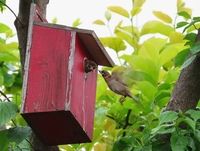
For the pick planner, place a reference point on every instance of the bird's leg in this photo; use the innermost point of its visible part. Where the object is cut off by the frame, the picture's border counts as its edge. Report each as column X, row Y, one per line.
column 122, row 99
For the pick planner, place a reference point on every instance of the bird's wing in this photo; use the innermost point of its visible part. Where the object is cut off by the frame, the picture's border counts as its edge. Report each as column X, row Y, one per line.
column 118, row 76
column 118, row 87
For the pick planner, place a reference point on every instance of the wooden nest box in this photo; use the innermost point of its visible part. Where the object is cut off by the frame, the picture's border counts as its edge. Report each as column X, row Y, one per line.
column 58, row 95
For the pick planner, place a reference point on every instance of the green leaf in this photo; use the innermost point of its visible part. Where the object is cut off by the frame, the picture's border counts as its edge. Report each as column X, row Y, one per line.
column 76, row 23
column 114, row 43
column 165, row 146
column 8, row 110
column 9, row 79
column 191, row 143
column 137, row 4
column 164, row 86
column 196, row 48
column 171, row 76
column 129, row 34
column 191, row 37
column 4, row 142
column 144, row 87
column 2, row 4
column 181, row 24
column 162, row 16
column 180, row 4
column 163, row 129
column 191, row 27
column 125, row 144
column 168, row 116
column 197, row 135
column 187, row 121
column 196, row 18
column 180, row 57
column 13, row 135
column 156, row 27
column 184, row 14
column 188, row 61
column 162, row 94
column 176, row 37
column 18, row 134
column 178, row 142
column 8, row 57
column 99, row 22
column 66, row 147
column 195, row 115
column 190, row 122
column 5, row 29
column 135, row 11
column 194, row 25
column 142, row 76
column 119, row 10
column 145, row 65
column 108, row 15
column 170, row 52
column 9, row 48
column 151, row 48
column 1, row 78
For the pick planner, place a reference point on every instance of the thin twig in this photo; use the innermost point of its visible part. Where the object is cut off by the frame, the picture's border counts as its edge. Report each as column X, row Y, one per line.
column 174, row 25
column 13, row 120
column 195, row 26
column 5, row 96
column 11, row 11
column 111, row 117
column 109, row 29
column 30, row 143
column 127, row 121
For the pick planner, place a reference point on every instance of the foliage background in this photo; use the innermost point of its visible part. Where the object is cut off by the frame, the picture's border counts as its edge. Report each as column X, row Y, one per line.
column 150, row 58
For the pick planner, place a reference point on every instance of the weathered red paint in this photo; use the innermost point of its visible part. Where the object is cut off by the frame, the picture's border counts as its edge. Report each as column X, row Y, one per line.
column 46, row 89
column 58, row 96
column 51, row 88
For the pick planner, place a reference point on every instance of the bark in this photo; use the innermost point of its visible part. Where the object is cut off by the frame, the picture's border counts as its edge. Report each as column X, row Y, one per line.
column 186, row 93
column 21, row 24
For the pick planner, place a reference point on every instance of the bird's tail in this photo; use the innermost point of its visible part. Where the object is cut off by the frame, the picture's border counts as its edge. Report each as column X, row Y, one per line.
column 136, row 99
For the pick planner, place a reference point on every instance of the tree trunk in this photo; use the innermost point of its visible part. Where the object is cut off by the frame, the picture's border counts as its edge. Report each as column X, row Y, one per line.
column 21, row 24
column 186, row 93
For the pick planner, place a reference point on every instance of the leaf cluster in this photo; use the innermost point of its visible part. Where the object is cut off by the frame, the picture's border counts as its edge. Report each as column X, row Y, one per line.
column 157, row 52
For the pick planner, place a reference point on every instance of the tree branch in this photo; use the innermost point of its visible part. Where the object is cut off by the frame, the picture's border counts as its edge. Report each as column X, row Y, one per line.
column 11, row 11
column 22, row 31
column 5, row 96
column 186, row 93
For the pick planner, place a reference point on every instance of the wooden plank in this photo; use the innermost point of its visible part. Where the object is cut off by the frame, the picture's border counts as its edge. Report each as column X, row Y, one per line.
column 27, row 58
column 83, row 90
column 46, row 89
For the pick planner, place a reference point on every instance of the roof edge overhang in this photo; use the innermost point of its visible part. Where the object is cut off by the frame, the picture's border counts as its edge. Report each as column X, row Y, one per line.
column 90, row 40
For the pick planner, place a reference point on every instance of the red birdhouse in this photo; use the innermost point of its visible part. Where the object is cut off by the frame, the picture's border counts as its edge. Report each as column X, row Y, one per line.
column 58, row 91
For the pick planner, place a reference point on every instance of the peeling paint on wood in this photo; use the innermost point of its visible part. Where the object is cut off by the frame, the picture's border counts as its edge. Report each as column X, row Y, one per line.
column 72, row 52
column 28, row 46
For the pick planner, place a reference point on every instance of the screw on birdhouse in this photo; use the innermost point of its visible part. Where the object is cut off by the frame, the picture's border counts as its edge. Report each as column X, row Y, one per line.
column 89, row 65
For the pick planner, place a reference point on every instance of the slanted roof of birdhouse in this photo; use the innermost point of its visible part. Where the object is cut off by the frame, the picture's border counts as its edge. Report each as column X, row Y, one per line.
column 90, row 41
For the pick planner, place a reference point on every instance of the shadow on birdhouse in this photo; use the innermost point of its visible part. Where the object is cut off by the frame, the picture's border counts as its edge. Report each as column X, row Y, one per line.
column 60, row 77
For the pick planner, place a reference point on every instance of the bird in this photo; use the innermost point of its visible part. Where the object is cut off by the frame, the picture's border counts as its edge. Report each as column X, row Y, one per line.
column 116, row 84
column 89, row 65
